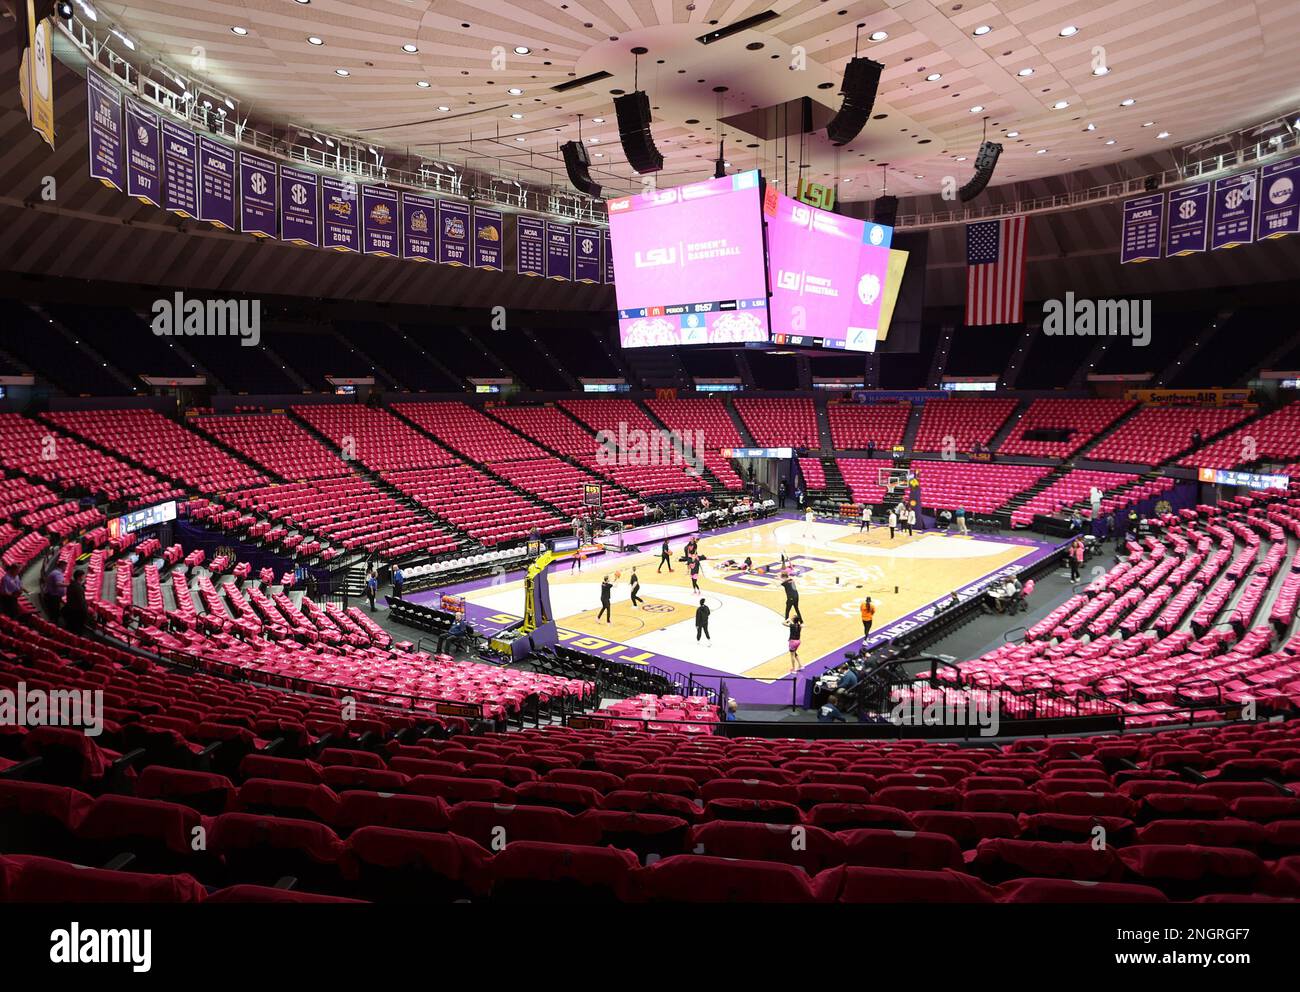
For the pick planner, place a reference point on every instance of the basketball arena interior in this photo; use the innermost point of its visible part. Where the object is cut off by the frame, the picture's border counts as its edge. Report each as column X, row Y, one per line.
column 633, row 453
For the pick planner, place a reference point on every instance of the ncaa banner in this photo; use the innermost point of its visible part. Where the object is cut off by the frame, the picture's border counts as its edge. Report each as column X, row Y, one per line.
column 104, row 113
column 1234, row 210
column 257, row 196
column 419, row 218
column 143, row 159
column 1189, row 226
column 299, row 207
column 339, row 197
column 488, row 242
column 1279, row 199
column 1142, row 227
column 37, row 82
column 379, row 234
column 216, row 183
column 559, row 251
column 586, row 254
column 453, row 233
column 180, row 169
column 609, row 260
column 530, row 241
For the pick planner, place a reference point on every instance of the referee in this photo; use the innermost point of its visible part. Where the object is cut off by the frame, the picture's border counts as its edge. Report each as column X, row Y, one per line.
column 605, row 588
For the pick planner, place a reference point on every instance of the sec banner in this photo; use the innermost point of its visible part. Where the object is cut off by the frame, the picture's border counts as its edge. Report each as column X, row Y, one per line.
column 586, row 254
column 1234, row 210
column 257, row 196
column 299, row 207
column 1189, row 226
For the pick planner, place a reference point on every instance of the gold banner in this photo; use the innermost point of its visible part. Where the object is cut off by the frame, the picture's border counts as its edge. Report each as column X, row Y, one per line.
column 1198, row 397
column 39, row 94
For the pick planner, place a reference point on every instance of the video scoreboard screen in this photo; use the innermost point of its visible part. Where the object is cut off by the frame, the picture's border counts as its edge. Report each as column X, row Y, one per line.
column 142, row 519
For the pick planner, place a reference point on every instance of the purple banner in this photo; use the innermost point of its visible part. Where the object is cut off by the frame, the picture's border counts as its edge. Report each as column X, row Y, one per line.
column 488, row 239
column 379, row 222
column 299, row 207
column 104, row 109
column 340, row 210
column 1234, row 210
column 180, row 177
column 419, row 223
column 1279, row 199
column 142, row 155
column 609, row 260
column 453, row 233
column 1140, row 235
column 1189, row 225
column 530, row 241
column 586, row 254
column 559, row 251
column 257, row 196
column 216, row 183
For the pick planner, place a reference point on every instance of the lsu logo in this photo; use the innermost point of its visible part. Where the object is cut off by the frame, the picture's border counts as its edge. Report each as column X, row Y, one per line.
column 653, row 257
column 659, row 608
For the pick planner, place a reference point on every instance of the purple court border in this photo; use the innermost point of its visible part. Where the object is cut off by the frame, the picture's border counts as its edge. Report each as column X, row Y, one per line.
column 756, row 691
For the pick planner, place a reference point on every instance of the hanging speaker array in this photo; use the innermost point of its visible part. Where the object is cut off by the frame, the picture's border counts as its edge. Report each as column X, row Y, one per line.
column 633, row 110
column 578, row 165
column 861, row 80
column 985, row 162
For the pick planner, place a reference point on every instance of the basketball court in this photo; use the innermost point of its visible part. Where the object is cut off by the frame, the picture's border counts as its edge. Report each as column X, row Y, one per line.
column 835, row 565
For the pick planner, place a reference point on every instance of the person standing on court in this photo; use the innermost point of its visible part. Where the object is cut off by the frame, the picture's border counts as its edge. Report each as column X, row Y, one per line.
column 399, row 580
column 702, row 622
column 606, row 587
column 865, row 523
column 893, row 523
column 808, row 522
column 868, row 611
column 695, row 574
column 961, row 519
column 636, row 588
column 665, row 558
column 796, row 632
column 791, row 598
column 1075, row 554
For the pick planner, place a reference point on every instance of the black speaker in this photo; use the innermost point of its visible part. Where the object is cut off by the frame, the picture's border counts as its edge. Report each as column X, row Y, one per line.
column 1151, row 184
column 576, row 164
column 886, row 211
column 861, row 78
column 985, row 162
column 633, row 110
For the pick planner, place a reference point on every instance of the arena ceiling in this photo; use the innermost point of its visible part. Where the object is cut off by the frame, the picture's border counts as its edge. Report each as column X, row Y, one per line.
column 1192, row 69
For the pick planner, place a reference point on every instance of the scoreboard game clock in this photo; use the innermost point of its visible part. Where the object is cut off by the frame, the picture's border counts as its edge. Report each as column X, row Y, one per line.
column 593, row 495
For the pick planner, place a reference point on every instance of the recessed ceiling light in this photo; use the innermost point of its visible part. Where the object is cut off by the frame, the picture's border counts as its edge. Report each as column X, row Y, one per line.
column 303, row 2
column 520, row 138
column 1128, row 102
column 1041, row 151
column 313, row 40
column 1148, row 123
column 1111, row 141
column 523, row 50
column 598, row 120
column 1101, row 70
column 977, row 108
column 342, row 72
column 961, row 158
column 444, row 108
column 879, row 35
column 239, row 30
column 515, row 91
column 1069, row 31
column 423, row 84
column 1013, row 134
column 409, row 48
column 595, row 141
column 934, row 77
column 1026, row 71
column 599, row 155
column 1090, row 126
column 1060, row 104
column 1163, row 134
column 517, row 117
column 983, row 29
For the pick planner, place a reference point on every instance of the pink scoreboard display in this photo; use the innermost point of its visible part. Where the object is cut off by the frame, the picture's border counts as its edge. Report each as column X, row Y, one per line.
column 690, row 264
column 829, row 276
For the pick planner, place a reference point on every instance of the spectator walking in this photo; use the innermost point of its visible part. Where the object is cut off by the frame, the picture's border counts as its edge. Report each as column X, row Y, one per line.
column 75, row 613
column 11, row 587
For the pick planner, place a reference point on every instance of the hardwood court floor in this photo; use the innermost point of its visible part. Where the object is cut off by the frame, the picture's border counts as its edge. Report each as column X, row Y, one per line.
column 835, row 567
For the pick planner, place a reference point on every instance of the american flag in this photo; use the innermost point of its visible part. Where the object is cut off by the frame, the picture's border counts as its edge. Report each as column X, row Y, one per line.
column 995, row 271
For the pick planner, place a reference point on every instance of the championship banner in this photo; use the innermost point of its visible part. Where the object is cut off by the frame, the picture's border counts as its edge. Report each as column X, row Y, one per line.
column 340, row 212
column 299, row 207
column 586, row 254
column 609, row 260
column 419, row 218
column 143, row 161
column 453, row 233
column 1189, row 225
column 104, row 113
column 488, row 239
column 1234, row 210
column 216, row 183
column 180, row 170
column 257, row 196
column 1279, row 199
column 530, row 242
column 559, row 251
column 1140, row 234
column 379, row 234
column 37, row 83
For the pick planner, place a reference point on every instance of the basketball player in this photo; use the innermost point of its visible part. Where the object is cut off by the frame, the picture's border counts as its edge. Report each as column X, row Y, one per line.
column 807, row 522
column 665, row 558
column 791, row 598
column 893, row 522
column 605, row 589
column 865, row 523
column 796, row 631
column 695, row 574
column 909, row 520
column 702, row 622
column 868, row 611
column 636, row 588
